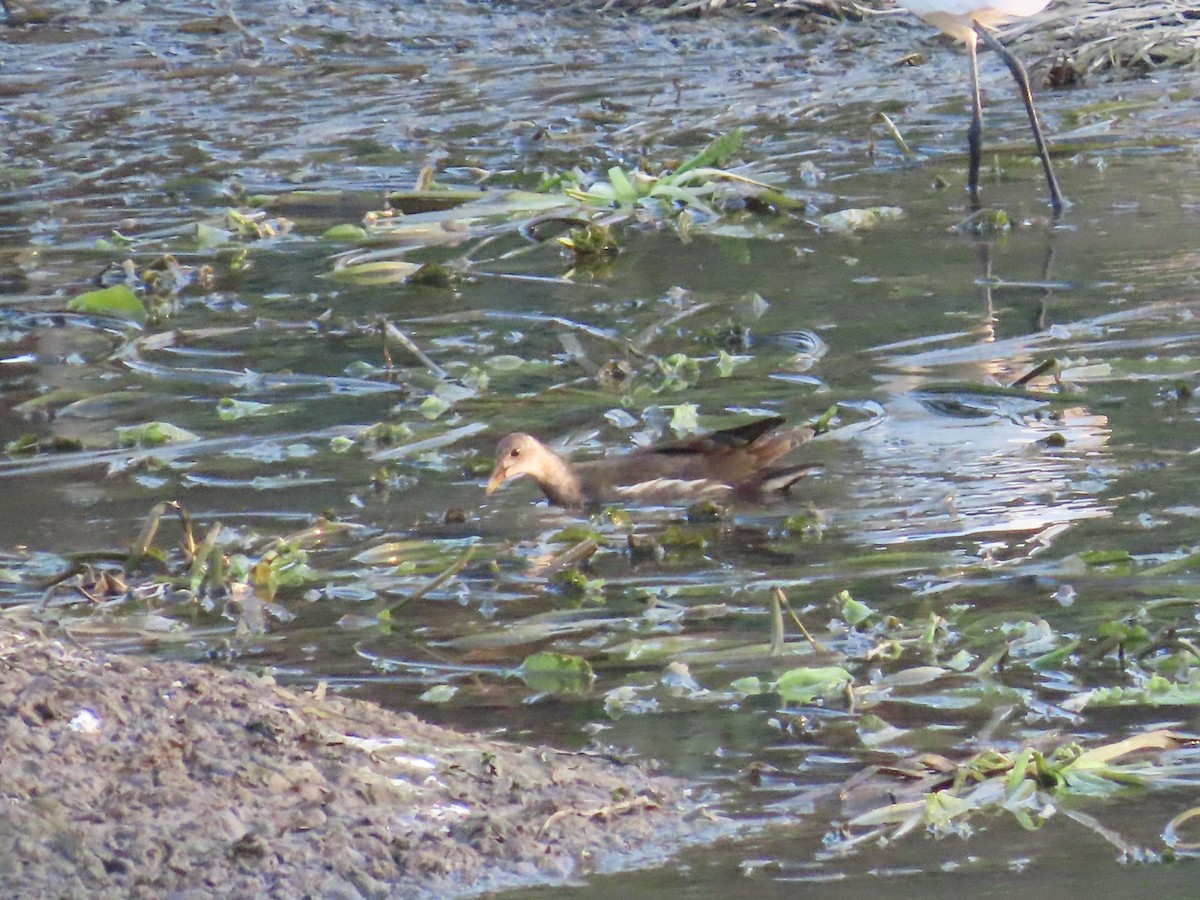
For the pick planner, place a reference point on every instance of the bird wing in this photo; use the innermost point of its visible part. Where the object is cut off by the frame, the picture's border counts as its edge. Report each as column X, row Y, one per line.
column 709, row 466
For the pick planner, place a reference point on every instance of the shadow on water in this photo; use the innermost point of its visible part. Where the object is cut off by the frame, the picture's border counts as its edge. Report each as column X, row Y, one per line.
column 968, row 512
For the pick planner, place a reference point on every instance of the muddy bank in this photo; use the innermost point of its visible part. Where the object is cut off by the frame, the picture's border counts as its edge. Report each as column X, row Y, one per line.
column 124, row 776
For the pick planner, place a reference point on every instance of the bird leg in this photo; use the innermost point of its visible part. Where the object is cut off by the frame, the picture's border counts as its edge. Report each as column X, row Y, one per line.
column 1057, row 200
column 975, row 129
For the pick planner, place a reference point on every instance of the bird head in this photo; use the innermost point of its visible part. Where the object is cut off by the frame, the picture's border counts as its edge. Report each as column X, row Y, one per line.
column 516, row 455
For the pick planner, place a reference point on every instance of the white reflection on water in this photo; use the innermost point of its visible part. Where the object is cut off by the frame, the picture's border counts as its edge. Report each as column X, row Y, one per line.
column 930, row 468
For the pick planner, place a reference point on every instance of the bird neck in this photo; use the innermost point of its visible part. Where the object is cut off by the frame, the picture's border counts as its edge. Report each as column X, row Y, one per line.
column 559, row 482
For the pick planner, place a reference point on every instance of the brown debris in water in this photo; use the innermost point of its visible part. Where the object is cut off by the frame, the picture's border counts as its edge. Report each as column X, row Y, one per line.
column 124, row 776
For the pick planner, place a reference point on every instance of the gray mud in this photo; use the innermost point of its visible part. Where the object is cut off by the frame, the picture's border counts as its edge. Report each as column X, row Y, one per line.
column 129, row 777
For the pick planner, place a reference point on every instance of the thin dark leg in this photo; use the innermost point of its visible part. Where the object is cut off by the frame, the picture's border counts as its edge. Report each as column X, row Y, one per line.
column 1018, row 72
column 975, row 130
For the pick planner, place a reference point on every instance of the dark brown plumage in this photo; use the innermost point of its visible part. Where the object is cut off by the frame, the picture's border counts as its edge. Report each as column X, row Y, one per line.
column 733, row 463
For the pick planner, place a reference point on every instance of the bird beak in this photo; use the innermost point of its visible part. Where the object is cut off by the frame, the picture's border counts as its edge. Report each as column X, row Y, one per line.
column 497, row 479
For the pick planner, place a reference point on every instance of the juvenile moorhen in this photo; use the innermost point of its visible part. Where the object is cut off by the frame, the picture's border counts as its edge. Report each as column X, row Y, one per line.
column 729, row 464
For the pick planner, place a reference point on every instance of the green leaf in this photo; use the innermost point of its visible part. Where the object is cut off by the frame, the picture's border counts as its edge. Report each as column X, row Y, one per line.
column 684, row 419
column 575, row 533
column 556, row 673
column 153, row 434
column 385, row 271
column 750, row 685
column 1055, row 658
column 117, row 300
column 25, row 445
column 1105, row 557
column 806, row 684
column 960, row 661
column 719, row 149
column 846, row 221
column 854, row 612
column 209, row 236
column 439, row 693
column 433, row 406
column 505, row 362
column 1016, row 774
column 624, row 191
column 230, row 410
column 345, row 232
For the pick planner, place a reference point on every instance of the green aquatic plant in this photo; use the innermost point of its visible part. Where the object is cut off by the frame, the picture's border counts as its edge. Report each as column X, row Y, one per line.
column 944, row 798
column 686, row 197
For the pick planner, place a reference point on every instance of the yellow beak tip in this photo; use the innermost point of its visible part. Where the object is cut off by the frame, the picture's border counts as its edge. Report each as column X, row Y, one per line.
column 494, row 482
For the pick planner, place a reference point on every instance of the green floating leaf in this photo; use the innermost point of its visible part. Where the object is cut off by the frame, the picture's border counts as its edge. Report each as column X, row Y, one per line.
column 575, row 533
column 725, row 364
column 384, row 271
column 985, row 221
column 209, row 236
column 153, row 434
column 750, row 685
column 1105, row 557
column 345, row 232
column 556, row 673
column 575, row 585
column 230, row 410
column 505, row 362
column 681, row 372
column 806, row 684
column 718, row 150
column 623, row 189
column 1157, row 691
column 433, row 275
column 960, row 661
column 117, row 300
column 854, row 612
column 1055, row 659
column 800, row 523
column 433, row 406
column 847, row 221
column 685, row 418
column 439, row 693
column 591, row 240
column 25, row 445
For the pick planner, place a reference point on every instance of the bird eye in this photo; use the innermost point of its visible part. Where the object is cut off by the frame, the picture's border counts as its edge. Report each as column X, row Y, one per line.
column 514, row 452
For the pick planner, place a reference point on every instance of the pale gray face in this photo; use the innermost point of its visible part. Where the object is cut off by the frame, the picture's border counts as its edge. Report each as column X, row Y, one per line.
column 516, row 455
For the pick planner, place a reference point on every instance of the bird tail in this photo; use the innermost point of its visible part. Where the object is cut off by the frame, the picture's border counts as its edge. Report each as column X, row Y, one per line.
column 781, row 480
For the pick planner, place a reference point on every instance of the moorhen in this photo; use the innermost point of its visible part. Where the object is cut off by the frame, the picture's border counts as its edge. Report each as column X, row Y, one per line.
column 722, row 465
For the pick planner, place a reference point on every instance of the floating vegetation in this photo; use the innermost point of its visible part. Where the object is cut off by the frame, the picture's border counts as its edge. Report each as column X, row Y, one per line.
column 556, row 673
column 117, row 300
column 1030, row 784
column 847, row 221
column 689, row 197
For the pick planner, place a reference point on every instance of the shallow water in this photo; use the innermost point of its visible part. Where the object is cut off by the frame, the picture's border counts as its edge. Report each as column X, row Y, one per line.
column 935, row 494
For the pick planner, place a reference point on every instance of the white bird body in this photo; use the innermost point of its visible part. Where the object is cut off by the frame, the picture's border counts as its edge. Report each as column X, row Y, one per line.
column 955, row 16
